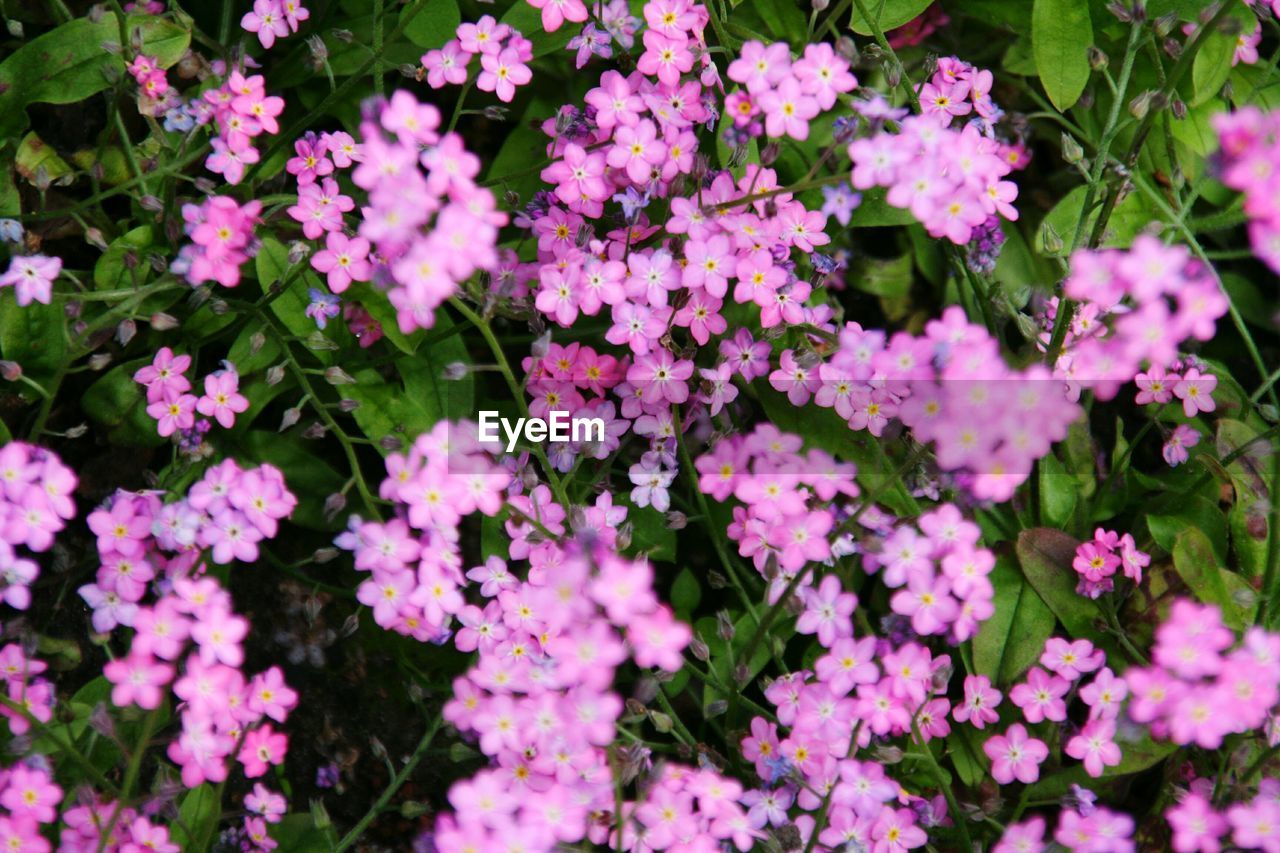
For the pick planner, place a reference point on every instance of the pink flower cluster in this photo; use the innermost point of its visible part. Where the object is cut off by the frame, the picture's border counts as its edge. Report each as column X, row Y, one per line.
column 35, row 504
column 1124, row 320
column 141, row 539
column 414, row 559
column 155, row 96
column 31, row 277
column 243, row 111
column 787, row 519
column 1199, row 688
column 273, row 19
column 34, row 697
column 945, row 386
column 30, row 798
column 221, row 232
column 1250, row 142
column 1097, row 560
column 788, row 95
column 174, row 409
column 223, row 714
column 940, row 573
column 431, row 224
column 503, row 53
column 863, row 688
column 951, row 180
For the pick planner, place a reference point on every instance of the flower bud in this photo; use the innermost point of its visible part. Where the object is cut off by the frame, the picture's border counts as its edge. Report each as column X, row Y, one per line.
column 325, row 555
column 390, row 443
column 315, row 431
column 699, row 649
column 291, row 417
column 275, row 374
column 1140, row 105
column 1051, row 241
column 98, row 361
column 151, row 203
column 495, row 113
column 333, row 505
column 660, row 721
column 724, row 626
column 349, row 626
column 15, row 27
column 344, row 36
column 77, row 431
column 317, row 342
column 1164, row 24
column 162, row 322
column 319, row 50
column 10, row 371
column 347, row 405
column 716, row 580
column 1097, row 59
column 716, row 708
column 320, row 815
column 677, row 520
column 125, row 331
column 889, row 754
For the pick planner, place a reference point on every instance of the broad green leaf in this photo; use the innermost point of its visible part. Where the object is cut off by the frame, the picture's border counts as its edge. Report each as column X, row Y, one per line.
column 1194, row 560
column 1212, row 64
column 1058, row 492
column 887, row 277
column 298, row 833
column 1129, row 217
column 272, row 266
column 649, row 532
column 67, row 64
column 886, row 15
column 1189, row 511
column 112, row 271
column 783, row 18
column 33, row 154
column 1045, row 555
column 686, row 593
column 199, row 813
column 434, row 25
column 1061, row 35
column 35, row 336
column 1013, row 638
column 875, row 212
column 966, row 755
column 119, row 404
column 516, row 165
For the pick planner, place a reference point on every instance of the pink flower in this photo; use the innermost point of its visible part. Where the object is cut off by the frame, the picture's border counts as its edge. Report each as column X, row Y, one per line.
column 556, row 12
column 30, row 793
column 138, row 680
column 503, row 71
column 1015, row 755
column 1095, row 746
column 980, row 702
column 262, row 747
column 1196, row 392
column 173, row 412
column 267, row 20
column 1197, row 827
column 1040, row 696
column 827, row 611
column 446, row 66
column 32, row 277
column 222, row 399
column 344, row 260
column 788, row 110
column 636, row 150
column 1071, row 659
column 660, row 377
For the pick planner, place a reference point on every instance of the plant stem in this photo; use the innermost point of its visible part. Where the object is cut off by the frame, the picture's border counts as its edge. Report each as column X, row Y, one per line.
column 396, row 782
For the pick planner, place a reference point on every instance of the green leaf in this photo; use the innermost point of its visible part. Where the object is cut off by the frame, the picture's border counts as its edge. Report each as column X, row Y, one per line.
column 272, row 266
column 1013, row 638
column 649, row 532
column 35, row 336
column 119, row 404
column 67, row 64
column 111, row 272
column 887, row 277
column 783, row 17
column 1129, row 217
column 1058, row 491
column 435, row 24
column 1195, row 563
column 1212, row 64
column 1190, row 511
column 886, row 14
column 33, row 153
column 199, row 812
column 686, row 593
column 1045, row 555
column 298, row 833
column 1061, row 35
column 875, row 212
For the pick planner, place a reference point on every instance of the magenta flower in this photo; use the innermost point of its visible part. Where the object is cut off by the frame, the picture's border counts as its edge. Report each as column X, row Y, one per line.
column 1015, row 755
column 138, row 680
column 31, row 277
column 263, row 747
column 222, row 399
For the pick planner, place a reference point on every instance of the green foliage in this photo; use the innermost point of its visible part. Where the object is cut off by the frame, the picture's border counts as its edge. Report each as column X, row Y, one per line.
column 1061, row 35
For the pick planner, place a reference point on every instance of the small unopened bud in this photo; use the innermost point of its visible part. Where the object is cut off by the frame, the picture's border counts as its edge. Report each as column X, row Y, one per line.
column 699, row 649
column 101, row 721
column 275, row 374
column 325, row 555
column 163, row 322
column 741, row 674
column 205, row 185
column 635, row 708
column 315, row 431
column 715, row 708
column 1178, row 108
column 319, row 50
column 1097, row 59
column 347, row 405
column 511, row 199
column 1140, row 105
column 390, row 443
column 847, row 48
column 349, row 626
column 320, row 815
column 495, row 113
column 1164, row 24
column 15, row 27
column 724, row 626
column 94, row 238
column 715, row 580
column 100, row 360
column 317, row 342
column 41, row 179
column 344, row 36
column 333, row 505
column 218, row 306
column 10, row 371
column 410, row 809
column 769, row 154
column 125, row 331
column 660, row 721
column 624, row 536
column 888, row 754
column 298, row 252
column 1051, row 241
column 151, row 203
column 677, row 520
column 291, row 417
column 892, row 74
column 337, row 376
column 541, row 346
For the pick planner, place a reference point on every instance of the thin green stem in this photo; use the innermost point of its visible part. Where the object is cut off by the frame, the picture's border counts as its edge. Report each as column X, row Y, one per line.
column 396, row 783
